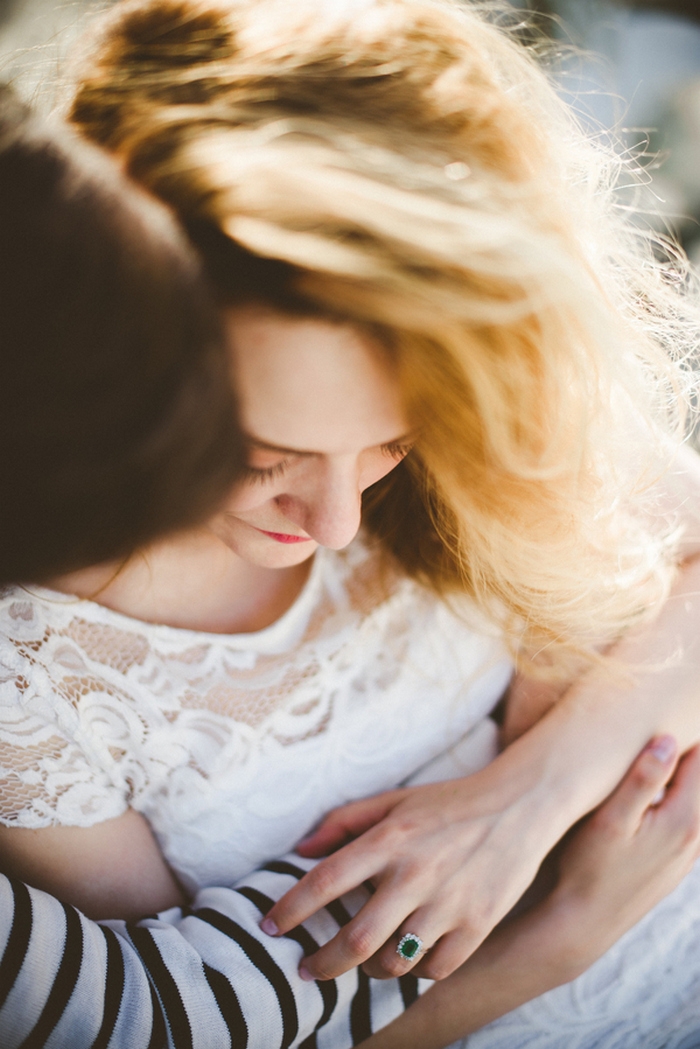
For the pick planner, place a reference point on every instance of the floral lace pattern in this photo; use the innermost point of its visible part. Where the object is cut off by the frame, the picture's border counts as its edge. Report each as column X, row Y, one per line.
column 233, row 746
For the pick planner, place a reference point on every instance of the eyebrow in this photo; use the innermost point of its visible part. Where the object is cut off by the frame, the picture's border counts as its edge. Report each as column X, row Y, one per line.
column 255, row 442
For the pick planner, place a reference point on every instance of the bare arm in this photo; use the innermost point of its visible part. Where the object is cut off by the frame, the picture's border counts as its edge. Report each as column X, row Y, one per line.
column 111, row 870
column 616, row 867
column 528, row 699
column 488, row 833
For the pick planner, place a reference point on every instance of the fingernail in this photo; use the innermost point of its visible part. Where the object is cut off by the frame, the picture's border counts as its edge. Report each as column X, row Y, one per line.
column 305, row 974
column 663, row 748
column 267, row 925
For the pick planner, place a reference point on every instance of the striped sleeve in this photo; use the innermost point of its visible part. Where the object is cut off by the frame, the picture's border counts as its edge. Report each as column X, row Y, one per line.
column 201, row 978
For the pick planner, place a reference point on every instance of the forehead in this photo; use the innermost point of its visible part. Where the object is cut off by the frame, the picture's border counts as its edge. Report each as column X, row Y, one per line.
column 312, row 385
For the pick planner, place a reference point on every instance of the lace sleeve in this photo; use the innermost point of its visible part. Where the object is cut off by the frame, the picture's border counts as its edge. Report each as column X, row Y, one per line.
column 48, row 776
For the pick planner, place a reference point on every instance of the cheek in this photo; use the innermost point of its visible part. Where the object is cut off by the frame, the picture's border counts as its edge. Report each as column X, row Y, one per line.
column 249, row 496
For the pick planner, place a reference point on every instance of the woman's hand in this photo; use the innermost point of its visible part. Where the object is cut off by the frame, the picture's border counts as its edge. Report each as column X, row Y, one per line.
column 611, row 870
column 630, row 853
column 447, row 862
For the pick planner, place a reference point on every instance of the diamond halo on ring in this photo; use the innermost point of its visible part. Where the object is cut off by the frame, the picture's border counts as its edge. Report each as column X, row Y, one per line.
column 409, row 947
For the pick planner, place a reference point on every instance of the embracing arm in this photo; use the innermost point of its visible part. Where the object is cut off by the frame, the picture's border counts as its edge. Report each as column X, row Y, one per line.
column 205, row 977
column 449, row 860
column 609, row 873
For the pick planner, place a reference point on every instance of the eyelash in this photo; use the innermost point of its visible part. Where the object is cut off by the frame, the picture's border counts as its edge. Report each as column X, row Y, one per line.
column 397, row 451
column 257, row 473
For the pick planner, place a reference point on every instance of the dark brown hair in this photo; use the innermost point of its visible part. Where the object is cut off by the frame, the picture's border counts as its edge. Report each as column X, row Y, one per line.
column 118, row 418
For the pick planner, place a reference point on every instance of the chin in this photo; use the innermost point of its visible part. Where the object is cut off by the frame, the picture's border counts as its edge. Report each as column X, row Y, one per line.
column 270, row 554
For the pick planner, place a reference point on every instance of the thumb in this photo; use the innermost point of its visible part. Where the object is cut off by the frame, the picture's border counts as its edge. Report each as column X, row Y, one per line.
column 642, row 785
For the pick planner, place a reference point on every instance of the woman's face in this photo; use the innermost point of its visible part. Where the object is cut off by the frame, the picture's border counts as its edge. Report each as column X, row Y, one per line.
column 323, row 417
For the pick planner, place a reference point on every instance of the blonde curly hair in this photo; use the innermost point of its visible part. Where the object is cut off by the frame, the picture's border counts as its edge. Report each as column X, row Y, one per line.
column 406, row 165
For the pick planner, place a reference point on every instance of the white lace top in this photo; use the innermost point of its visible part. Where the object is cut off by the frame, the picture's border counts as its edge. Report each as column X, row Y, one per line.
column 233, row 746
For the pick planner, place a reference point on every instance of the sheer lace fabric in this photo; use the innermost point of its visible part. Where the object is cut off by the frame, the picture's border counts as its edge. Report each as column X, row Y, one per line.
column 234, row 746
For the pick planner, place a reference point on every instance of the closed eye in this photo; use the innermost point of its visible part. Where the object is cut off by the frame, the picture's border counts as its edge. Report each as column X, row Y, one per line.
column 265, row 473
column 397, row 449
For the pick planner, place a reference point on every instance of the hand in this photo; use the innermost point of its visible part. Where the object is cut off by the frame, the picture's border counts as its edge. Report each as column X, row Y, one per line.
column 630, row 853
column 447, row 861
column 612, row 869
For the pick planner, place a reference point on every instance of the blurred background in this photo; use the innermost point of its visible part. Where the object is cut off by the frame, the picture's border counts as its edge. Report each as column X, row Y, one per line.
column 630, row 66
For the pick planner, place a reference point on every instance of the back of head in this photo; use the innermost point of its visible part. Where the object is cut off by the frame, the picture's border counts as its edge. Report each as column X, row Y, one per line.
column 118, row 419
column 405, row 165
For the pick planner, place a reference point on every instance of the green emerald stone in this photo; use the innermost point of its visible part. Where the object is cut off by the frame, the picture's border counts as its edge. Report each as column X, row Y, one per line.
column 409, row 946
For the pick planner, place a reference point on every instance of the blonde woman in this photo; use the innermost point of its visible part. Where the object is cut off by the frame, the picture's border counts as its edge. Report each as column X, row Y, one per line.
column 428, row 302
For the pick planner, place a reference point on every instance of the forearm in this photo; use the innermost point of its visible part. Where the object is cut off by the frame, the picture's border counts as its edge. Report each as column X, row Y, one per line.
column 582, row 747
column 518, row 962
column 218, row 980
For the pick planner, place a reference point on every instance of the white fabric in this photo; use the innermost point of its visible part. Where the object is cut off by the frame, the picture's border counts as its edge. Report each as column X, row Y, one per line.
column 205, row 978
column 233, row 747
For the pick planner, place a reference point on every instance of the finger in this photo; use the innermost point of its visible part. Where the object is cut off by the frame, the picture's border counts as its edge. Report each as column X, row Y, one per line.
column 357, row 941
column 680, row 809
column 647, row 776
column 346, row 823
column 331, row 878
column 446, row 956
column 442, row 952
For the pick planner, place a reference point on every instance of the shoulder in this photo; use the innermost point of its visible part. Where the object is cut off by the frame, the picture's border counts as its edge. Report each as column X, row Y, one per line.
column 49, row 771
column 22, row 632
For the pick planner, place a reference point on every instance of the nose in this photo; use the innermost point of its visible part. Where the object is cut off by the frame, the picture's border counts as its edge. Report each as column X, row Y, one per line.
column 330, row 511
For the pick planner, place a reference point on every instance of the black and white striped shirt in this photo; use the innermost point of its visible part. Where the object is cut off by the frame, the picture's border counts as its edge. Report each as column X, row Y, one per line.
column 205, row 977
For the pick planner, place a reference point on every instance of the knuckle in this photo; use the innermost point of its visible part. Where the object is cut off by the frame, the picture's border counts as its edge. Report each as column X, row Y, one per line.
column 690, row 831
column 406, row 824
column 478, row 922
column 359, row 942
column 410, row 875
column 322, row 881
column 434, row 969
column 389, row 835
column 392, row 966
column 607, row 823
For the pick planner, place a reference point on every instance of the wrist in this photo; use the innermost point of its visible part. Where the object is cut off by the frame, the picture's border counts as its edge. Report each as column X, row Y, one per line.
column 577, row 753
column 547, row 787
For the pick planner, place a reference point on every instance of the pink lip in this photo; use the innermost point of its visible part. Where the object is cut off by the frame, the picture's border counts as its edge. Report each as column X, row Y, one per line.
column 282, row 537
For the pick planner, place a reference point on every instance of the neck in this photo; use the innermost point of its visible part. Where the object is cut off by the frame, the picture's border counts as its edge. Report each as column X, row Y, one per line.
column 192, row 581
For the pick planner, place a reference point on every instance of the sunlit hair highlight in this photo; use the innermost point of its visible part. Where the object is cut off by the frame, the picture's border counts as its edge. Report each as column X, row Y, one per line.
column 405, row 165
